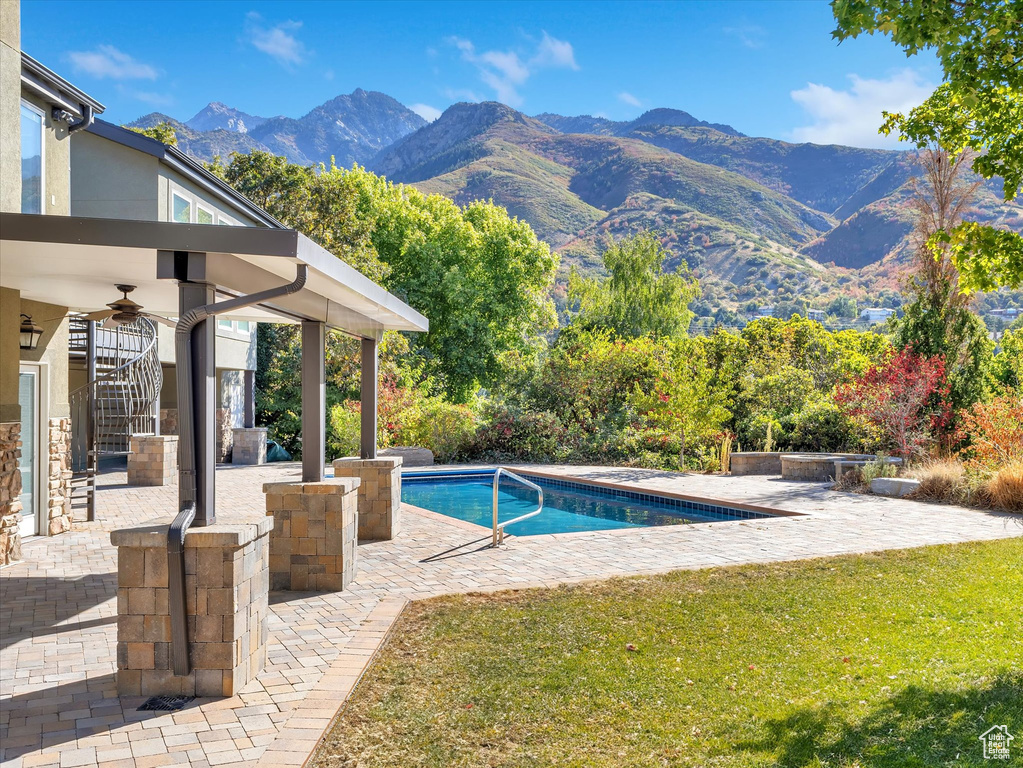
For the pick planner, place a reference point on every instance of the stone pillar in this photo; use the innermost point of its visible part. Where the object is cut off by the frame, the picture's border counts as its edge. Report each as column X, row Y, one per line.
column 10, row 492
column 225, row 436
column 153, row 460
column 249, row 445
column 226, row 585
column 168, row 421
column 314, row 538
column 379, row 495
column 59, row 476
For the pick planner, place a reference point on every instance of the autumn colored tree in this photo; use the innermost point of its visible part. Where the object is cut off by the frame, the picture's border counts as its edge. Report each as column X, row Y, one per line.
column 895, row 400
column 978, row 107
column 938, row 322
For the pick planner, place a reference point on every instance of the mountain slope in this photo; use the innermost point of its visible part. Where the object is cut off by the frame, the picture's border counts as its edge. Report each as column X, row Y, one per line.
column 215, row 116
column 352, row 128
column 202, row 145
column 561, row 183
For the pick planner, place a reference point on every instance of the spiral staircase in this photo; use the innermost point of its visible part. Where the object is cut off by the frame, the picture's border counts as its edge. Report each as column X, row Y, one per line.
column 121, row 396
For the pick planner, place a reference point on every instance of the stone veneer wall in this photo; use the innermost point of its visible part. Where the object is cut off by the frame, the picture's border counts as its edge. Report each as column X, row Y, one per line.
column 379, row 495
column 59, row 477
column 314, row 542
column 153, row 460
column 755, row 463
column 249, row 445
column 227, row 590
column 225, row 435
column 10, row 492
column 168, row 421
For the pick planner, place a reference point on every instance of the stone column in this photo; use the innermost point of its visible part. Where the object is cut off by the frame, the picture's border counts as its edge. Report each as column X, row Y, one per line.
column 10, row 492
column 249, row 445
column 59, row 476
column 153, row 460
column 379, row 495
column 313, row 545
column 225, row 435
column 226, row 585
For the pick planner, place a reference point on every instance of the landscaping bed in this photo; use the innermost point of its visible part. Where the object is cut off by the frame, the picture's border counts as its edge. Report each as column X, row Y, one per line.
column 895, row 659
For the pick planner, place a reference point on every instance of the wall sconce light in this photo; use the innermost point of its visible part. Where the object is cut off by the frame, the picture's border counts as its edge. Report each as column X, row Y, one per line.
column 30, row 332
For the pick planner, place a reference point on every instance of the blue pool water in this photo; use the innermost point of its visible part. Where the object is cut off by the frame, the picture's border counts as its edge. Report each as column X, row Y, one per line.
column 568, row 506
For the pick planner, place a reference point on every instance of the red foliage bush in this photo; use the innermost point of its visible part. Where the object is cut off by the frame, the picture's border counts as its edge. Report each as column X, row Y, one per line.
column 903, row 400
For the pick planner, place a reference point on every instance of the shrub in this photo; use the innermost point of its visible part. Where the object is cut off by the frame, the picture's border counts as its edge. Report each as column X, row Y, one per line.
column 821, row 426
column 511, row 434
column 945, row 480
column 445, row 428
column 1005, row 489
column 877, row 468
column 343, row 429
column 993, row 433
column 896, row 401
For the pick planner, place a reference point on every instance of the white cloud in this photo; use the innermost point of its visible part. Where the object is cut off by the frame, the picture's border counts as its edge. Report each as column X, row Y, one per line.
column 425, row 111
column 629, row 99
column 554, row 53
column 462, row 94
column 853, row 116
column 504, row 72
column 750, row 35
column 152, row 98
column 278, row 41
column 108, row 61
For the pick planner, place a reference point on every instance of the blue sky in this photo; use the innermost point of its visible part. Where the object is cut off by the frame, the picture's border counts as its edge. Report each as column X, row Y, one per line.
column 768, row 68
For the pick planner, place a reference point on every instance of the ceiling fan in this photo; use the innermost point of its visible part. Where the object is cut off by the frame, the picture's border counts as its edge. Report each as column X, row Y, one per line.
column 124, row 310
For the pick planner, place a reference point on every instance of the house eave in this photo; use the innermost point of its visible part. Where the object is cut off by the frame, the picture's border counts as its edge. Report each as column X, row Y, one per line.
column 48, row 85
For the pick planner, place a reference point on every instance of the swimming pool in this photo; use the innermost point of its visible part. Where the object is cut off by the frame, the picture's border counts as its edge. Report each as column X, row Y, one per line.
column 568, row 505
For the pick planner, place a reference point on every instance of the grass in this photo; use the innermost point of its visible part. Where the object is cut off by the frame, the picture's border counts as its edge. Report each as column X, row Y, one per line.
column 896, row 659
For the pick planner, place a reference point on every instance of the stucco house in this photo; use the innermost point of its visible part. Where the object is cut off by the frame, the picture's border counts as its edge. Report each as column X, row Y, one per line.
column 107, row 240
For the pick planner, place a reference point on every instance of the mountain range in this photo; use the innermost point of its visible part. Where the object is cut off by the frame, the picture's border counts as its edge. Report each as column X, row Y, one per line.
column 757, row 219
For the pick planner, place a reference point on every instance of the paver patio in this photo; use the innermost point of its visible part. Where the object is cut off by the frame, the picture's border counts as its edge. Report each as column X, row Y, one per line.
column 58, row 614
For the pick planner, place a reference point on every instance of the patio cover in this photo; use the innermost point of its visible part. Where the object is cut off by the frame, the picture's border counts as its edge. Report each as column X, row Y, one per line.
column 75, row 262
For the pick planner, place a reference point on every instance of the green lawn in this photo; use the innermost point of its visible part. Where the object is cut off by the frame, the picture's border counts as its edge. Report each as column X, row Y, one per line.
column 896, row 659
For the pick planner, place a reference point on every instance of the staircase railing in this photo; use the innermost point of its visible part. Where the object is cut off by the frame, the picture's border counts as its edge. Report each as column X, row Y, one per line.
column 114, row 403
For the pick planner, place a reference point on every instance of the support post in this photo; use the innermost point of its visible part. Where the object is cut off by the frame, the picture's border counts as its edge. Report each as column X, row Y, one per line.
column 91, row 445
column 204, row 393
column 314, row 401
column 249, row 383
column 368, row 395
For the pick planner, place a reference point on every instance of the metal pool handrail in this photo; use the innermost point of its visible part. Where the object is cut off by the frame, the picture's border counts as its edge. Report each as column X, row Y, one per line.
column 499, row 527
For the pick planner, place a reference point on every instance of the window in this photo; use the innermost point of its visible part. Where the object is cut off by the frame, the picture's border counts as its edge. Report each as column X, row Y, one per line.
column 235, row 327
column 203, row 215
column 32, row 127
column 224, row 221
column 181, row 209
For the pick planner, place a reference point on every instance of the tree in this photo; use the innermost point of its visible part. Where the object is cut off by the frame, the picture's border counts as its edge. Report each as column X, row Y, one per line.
column 895, row 400
column 938, row 322
column 637, row 297
column 163, row 132
column 979, row 106
column 481, row 277
column 681, row 399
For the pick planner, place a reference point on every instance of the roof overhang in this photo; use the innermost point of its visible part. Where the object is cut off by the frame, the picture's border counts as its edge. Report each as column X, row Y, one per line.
column 75, row 262
column 48, row 85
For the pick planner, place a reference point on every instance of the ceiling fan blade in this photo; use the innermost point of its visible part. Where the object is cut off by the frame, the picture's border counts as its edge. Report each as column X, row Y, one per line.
column 159, row 319
column 98, row 316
